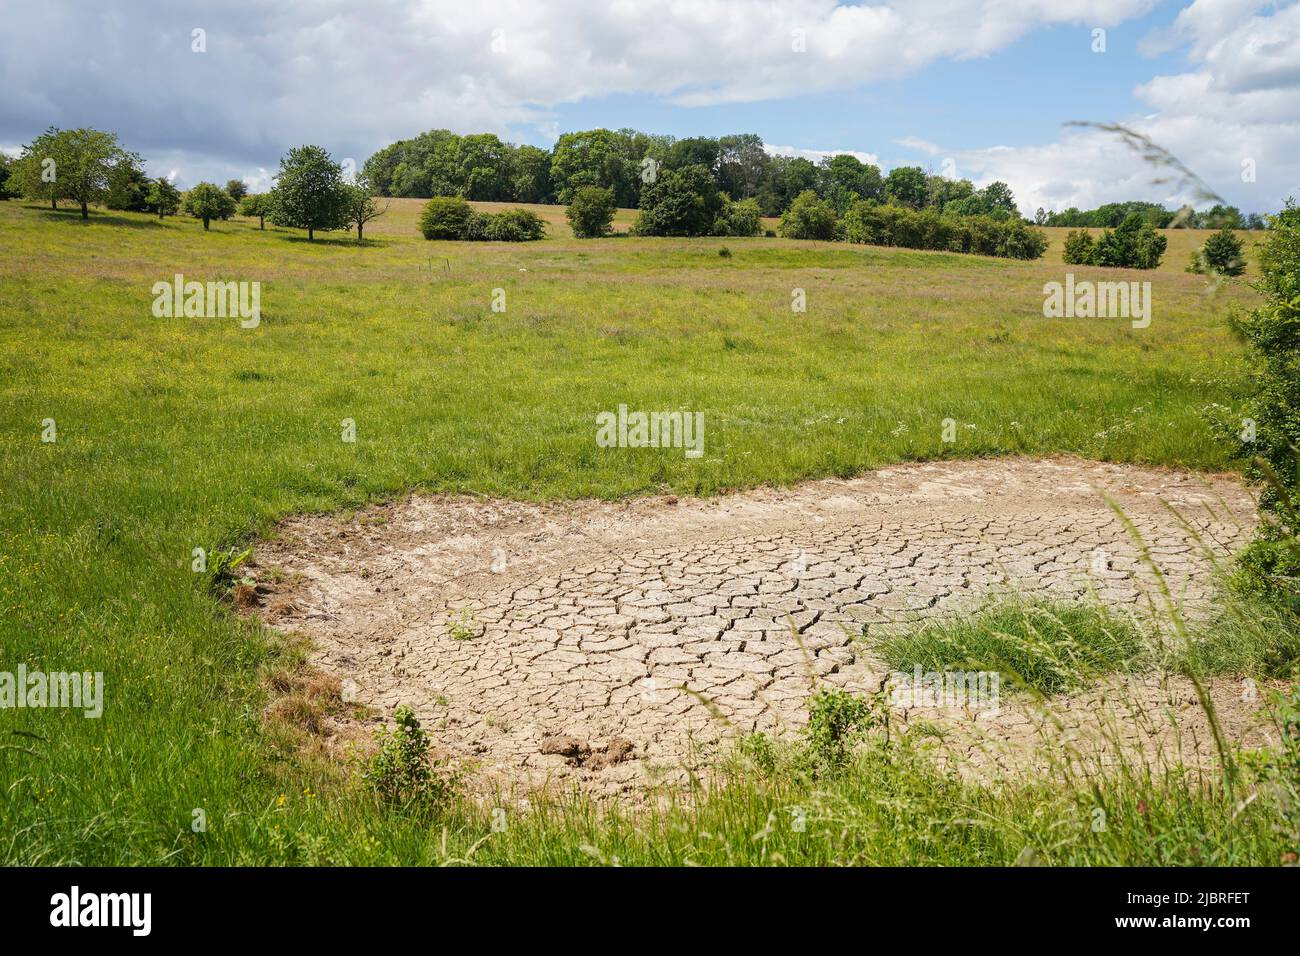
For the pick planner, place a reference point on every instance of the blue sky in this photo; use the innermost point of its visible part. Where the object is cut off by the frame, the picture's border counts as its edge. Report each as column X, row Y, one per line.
column 1018, row 96
column 985, row 85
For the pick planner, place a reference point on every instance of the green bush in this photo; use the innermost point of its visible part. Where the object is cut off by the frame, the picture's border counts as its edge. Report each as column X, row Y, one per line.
column 591, row 212
column 809, row 218
column 837, row 720
column 1078, row 248
column 889, row 225
column 741, row 218
column 1221, row 255
column 514, row 225
column 450, row 217
column 1272, row 336
column 680, row 202
column 402, row 773
column 445, row 217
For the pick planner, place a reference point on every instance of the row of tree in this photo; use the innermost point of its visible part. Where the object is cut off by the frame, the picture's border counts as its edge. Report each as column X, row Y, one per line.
column 90, row 167
column 627, row 162
column 1111, row 215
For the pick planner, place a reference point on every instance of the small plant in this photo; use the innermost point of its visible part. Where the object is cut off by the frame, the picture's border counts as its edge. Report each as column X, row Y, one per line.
column 402, row 773
column 837, row 720
column 462, row 627
column 223, row 565
column 760, row 751
column 724, row 252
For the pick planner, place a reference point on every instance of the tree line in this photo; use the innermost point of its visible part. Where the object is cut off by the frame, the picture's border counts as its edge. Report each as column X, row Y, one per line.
column 1111, row 215
column 91, row 167
column 482, row 167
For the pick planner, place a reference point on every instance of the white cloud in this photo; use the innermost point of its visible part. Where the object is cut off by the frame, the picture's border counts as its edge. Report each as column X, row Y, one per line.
column 354, row 76
column 817, row 155
column 1241, row 104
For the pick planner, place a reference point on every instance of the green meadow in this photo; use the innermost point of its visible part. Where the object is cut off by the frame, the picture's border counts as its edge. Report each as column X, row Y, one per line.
column 179, row 433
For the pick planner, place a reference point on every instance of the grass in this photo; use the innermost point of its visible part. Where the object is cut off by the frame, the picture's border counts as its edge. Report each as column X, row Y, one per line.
column 185, row 433
column 1050, row 649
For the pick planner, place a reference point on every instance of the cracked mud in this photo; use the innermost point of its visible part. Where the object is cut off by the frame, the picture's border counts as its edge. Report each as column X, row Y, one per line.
column 578, row 642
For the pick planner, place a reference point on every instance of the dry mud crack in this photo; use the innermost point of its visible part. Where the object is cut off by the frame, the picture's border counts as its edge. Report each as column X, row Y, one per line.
column 531, row 637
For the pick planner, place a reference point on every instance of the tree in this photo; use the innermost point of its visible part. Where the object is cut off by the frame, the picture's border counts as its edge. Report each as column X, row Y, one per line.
column 905, row 186
column 741, row 218
column 309, row 192
column 257, row 205
column 70, row 164
column 128, row 186
column 809, row 218
column 1221, row 255
column 1079, row 246
column 360, row 206
column 999, row 200
column 445, row 217
column 591, row 212
column 597, row 157
column 743, row 165
column 530, row 179
column 236, row 189
column 6, row 170
column 844, row 179
column 680, row 202
column 162, row 197
column 1134, row 244
column 208, row 201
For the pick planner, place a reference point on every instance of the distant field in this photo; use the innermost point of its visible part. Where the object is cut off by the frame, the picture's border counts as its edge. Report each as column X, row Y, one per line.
column 404, row 214
column 179, row 433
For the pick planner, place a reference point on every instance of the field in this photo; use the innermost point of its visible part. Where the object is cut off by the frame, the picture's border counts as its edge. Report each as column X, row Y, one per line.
column 174, row 434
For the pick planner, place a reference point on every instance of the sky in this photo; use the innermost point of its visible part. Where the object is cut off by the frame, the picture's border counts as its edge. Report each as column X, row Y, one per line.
column 979, row 90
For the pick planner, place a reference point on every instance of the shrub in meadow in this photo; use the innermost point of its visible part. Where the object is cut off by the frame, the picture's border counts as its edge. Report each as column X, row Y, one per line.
column 1221, row 255
column 741, row 218
column 591, row 212
column 514, row 225
column 809, row 218
column 680, row 202
column 445, row 217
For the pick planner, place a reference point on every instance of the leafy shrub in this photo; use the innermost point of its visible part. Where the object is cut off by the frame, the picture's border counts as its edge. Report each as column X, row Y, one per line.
column 760, row 750
column 402, row 773
column 445, row 217
column 1133, row 244
column 514, row 225
column 680, row 202
column 741, row 218
column 888, row 225
column 837, row 720
column 591, row 212
column 1221, row 255
column 1272, row 336
column 809, row 218
column 1078, row 248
